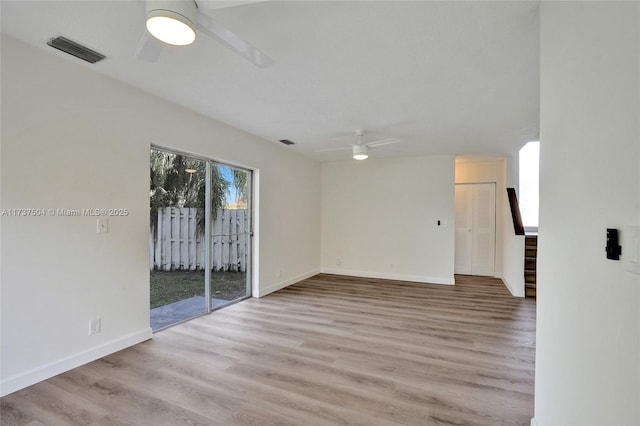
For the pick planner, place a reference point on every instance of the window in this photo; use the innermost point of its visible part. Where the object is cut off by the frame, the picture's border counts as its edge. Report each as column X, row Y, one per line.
column 529, row 185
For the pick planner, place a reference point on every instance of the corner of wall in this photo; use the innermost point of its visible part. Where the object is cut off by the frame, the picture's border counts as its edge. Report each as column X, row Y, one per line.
column 268, row 289
column 515, row 290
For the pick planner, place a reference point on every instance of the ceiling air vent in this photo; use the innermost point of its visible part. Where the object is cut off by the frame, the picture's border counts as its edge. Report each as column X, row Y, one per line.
column 286, row 141
column 75, row 49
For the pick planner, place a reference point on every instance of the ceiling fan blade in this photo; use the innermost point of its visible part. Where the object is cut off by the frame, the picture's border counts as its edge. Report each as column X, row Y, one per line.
column 149, row 48
column 334, row 149
column 213, row 29
column 382, row 142
column 220, row 4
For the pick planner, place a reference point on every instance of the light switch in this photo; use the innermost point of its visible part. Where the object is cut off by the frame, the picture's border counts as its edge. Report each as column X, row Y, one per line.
column 103, row 225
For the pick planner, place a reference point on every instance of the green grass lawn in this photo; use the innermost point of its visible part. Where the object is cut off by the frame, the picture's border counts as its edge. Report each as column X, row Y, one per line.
column 172, row 286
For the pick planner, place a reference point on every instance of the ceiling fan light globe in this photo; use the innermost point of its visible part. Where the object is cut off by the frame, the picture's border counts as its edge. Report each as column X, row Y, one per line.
column 170, row 27
column 360, row 152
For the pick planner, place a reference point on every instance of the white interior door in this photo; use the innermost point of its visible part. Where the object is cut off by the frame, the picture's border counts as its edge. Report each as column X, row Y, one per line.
column 475, row 229
column 464, row 225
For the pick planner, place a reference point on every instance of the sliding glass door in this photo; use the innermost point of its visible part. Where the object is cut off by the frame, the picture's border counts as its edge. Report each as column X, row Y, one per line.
column 231, row 235
column 200, row 236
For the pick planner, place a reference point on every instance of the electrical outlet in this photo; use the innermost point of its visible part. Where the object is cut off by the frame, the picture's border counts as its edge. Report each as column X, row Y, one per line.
column 95, row 326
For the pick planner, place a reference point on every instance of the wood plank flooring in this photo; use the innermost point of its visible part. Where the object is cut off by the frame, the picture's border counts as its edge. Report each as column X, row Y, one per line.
column 330, row 350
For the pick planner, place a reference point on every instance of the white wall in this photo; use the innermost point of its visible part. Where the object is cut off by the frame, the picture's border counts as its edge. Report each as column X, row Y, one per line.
column 588, row 324
column 379, row 217
column 512, row 244
column 513, row 254
column 509, row 264
column 74, row 139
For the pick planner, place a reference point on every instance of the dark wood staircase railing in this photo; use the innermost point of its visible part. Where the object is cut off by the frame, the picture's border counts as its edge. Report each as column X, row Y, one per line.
column 515, row 211
column 530, row 245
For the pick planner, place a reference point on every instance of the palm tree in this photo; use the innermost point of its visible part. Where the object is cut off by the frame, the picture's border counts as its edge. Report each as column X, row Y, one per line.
column 240, row 184
column 180, row 181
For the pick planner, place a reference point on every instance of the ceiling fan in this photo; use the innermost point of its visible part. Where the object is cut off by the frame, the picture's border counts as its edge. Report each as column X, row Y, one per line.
column 360, row 148
column 177, row 22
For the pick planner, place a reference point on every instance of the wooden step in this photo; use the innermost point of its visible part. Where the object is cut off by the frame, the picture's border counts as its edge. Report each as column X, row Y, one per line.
column 530, row 264
column 530, row 278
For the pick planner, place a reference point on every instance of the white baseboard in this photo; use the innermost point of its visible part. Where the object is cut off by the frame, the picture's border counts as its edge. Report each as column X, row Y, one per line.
column 517, row 292
column 31, row 377
column 534, row 422
column 386, row 276
column 280, row 285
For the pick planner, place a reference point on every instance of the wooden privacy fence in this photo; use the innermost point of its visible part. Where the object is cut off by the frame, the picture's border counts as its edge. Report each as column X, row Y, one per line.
column 177, row 244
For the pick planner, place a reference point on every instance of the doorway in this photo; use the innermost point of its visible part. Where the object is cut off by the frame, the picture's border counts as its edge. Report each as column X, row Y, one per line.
column 475, row 233
column 200, row 236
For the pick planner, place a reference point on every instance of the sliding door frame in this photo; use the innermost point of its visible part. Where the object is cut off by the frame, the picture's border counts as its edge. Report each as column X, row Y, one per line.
column 250, row 281
column 208, row 261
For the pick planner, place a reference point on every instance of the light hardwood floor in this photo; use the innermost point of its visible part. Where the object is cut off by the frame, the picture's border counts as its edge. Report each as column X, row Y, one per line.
column 330, row 350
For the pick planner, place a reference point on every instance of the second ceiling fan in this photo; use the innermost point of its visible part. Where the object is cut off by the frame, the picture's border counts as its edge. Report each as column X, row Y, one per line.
column 361, row 149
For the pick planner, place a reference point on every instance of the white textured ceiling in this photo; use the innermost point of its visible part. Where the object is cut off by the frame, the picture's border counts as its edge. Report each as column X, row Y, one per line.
column 444, row 77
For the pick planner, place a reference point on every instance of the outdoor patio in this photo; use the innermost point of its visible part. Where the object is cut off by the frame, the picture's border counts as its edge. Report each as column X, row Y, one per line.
column 179, row 295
